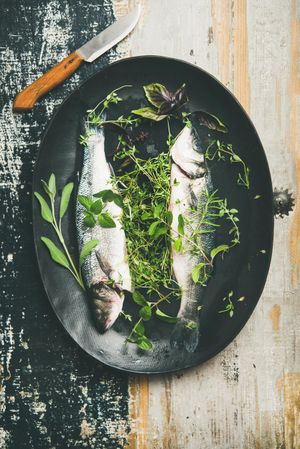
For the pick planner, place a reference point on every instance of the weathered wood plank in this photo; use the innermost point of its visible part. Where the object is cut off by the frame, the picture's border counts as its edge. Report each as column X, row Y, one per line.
column 52, row 394
column 248, row 396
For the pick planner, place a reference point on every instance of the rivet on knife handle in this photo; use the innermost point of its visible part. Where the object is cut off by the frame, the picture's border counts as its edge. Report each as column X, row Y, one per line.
column 27, row 98
column 98, row 45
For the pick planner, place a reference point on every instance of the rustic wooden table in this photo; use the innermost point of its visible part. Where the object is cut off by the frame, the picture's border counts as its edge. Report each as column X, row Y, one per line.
column 53, row 396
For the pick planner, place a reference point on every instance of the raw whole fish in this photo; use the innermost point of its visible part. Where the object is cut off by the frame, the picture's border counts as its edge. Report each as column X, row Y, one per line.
column 190, row 180
column 105, row 271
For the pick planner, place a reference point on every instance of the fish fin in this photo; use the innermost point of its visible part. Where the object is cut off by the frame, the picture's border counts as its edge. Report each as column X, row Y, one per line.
column 183, row 337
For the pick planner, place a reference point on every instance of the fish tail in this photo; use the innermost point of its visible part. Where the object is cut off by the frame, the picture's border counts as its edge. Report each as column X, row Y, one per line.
column 185, row 335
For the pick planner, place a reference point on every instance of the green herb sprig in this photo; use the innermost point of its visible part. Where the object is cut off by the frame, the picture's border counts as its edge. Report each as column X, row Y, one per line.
column 218, row 150
column 61, row 256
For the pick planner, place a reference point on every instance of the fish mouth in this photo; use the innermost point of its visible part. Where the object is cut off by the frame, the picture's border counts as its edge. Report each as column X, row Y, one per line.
column 107, row 304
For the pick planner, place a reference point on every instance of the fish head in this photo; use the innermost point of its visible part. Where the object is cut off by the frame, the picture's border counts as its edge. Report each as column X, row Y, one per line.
column 187, row 153
column 107, row 304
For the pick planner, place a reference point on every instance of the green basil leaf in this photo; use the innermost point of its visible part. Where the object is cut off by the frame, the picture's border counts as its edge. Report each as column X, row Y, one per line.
column 106, row 221
column 89, row 221
column 85, row 201
column 164, row 317
column 157, row 210
column 145, row 312
column 52, row 185
column 139, row 329
column 106, row 195
column 56, row 254
column 45, row 209
column 152, row 227
column 149, row 113
column 139, row 298
column 161, row 230
column 86, row 250
column 65, row 199
column 218, row 249
column 144, row 343
column 96, row 207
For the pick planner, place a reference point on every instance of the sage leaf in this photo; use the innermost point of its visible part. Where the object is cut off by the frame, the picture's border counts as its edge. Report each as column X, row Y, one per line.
column 149, row 113
column 52, row 185
column 106, row 221
column 145, row 312
column 139, row 298
column 164, row 317
column 56, row 254
column 65, row 198
column 46, row 188
column 86, row 250
column 218, row 249
column 45, row 209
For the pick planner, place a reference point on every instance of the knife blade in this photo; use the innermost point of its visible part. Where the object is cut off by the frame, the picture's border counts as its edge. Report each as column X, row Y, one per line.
column 91, row 50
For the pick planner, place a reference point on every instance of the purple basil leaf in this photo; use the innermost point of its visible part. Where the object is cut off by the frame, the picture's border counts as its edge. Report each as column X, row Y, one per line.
column 210, row 121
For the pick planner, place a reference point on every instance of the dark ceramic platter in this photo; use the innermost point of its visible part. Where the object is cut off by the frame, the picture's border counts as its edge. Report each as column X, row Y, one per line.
column 243, row 270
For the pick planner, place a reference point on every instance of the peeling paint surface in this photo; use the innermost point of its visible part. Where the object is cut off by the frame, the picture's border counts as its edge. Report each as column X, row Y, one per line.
column 52, row 394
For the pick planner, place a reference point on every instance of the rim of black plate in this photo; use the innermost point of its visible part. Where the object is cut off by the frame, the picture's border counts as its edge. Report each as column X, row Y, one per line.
column 231, row 337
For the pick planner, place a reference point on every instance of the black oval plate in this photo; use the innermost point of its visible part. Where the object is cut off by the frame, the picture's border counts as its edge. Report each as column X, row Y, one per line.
column 243, row 270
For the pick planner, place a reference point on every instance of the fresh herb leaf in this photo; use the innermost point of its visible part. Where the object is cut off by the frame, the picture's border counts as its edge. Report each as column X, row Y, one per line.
column 86, row 250
column 85, row 201
column 149, row 113
column 144, row 343
column 218, row 249
column 196, row 272
column 89, row 221
column 210, row 121
column 65, row 198
column 106, row 221
column 177, row 244
column 45, row 209
column 139, row 298
column 145, row 312
column 56, row 254
column 52, row 185
column 180, row 227
column 96, row 207
column 164, row 317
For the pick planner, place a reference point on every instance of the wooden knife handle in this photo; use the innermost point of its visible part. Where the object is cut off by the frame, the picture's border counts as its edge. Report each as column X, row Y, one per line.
column 27, row 98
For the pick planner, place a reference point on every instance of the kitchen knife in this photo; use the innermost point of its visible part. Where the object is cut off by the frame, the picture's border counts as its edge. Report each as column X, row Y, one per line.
column 94, row 48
